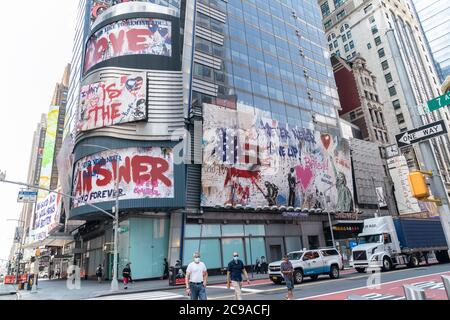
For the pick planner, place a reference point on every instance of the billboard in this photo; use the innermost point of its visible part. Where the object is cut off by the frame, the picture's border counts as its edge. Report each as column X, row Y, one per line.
column 113, row 101
column 99, row 6
column 256, row 161
column 144, row 173
column 49, row 151
column 46, row 216
column 137, row 36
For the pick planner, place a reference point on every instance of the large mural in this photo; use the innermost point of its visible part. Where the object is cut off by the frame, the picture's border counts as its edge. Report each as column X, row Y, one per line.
column 252, row 160
column 143, row 173
column 129, row 37
column 113, row 101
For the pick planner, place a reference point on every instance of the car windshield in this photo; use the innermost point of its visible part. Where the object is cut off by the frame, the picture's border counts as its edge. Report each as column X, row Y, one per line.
column 295, row 255
column 373, row 238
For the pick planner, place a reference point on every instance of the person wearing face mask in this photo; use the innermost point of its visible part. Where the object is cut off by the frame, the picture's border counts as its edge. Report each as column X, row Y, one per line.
column 234, row 274
column 196, row 278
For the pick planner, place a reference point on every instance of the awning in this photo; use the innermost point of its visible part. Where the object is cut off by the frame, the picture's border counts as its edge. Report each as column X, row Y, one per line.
column 56, row 240
column 341, row 222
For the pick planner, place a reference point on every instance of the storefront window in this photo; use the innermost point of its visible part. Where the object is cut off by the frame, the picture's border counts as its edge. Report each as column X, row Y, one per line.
column 229, row 246
column 255, row 251
column 230, row 230
column 192, row 231
column 293, row 244
column 255, row 230
column 190, row 246
column 210, row 230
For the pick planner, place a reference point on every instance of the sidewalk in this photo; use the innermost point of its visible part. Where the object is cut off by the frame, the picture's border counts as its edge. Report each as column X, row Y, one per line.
column 58, row 290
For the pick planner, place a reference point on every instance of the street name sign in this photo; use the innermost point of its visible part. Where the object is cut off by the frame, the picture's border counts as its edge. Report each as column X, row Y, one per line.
column 420, row 134
column 26, row 196
column 439, row 102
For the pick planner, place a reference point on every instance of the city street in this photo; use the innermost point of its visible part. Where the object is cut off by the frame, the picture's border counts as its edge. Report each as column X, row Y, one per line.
column 427, row 277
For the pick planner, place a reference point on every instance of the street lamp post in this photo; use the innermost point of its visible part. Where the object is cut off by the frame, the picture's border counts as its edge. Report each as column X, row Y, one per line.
column 251, row 257
column 329, row 218
column 114, row 281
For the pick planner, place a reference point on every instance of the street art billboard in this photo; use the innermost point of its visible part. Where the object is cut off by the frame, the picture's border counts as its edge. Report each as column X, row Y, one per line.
column 100, row 6
column 129, row 37
column 46, row 216
column 256, row 161
column 113, row 101
column 49, row 151
column 144, row 173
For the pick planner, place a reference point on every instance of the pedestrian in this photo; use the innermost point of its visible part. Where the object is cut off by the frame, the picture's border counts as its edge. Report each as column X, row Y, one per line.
column 99, row 273
column 258, row 266
column 196, row 279
column 126, row 273
column 287, row 270
column 166, row 269
column 234, row 274
column 264, row 264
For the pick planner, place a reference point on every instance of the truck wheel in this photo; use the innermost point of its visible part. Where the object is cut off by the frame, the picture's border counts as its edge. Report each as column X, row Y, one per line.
column 315, row 277
column 413, row 261
column 361, row 270
column 334, row 272
column 387, row 264
column 298, row 276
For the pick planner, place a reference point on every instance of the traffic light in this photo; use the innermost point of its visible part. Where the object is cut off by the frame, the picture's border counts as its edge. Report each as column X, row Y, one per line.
column 419, row 186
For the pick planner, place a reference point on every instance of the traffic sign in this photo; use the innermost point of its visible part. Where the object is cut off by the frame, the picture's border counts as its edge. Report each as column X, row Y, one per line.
column 420, row 134
column 27, row 196
column 439, row 102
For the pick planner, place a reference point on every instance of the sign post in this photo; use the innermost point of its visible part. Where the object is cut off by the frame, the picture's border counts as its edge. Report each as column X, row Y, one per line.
column 423, row 133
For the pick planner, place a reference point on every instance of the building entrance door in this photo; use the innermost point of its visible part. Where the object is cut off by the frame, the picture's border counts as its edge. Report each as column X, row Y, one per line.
column 275, row 252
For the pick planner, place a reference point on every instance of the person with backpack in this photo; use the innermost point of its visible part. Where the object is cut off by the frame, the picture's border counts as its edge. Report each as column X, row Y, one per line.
column 126, row 273
column 99, row 273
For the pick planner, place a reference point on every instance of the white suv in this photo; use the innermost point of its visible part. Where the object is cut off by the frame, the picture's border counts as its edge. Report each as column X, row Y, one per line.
column 309, row 263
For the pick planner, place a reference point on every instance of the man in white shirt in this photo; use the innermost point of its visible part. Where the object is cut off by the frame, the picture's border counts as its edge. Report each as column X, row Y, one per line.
column 196, row 278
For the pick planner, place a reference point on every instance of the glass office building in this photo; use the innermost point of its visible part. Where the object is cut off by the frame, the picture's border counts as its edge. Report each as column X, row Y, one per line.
column 434, row 16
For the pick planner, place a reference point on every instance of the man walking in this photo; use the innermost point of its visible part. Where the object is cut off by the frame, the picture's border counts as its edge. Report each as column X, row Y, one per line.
column 234, row 273
column 99, row 273
column 126, row 274
column 196, row 278
column 287, row 270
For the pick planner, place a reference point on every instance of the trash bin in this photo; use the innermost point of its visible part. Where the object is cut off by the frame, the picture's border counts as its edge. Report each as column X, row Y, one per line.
column 176, row 276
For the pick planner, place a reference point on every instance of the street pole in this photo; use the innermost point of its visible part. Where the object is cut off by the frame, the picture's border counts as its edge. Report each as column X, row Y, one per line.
column 329, row 219
column 115, row 281
column 251, row 257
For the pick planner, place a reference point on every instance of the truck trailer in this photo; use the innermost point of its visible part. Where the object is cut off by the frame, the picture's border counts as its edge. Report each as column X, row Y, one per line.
column 386, row 242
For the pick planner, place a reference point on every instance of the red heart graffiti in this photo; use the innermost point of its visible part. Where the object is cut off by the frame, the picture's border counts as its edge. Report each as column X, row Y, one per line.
column 305, row 175
column 326, row 140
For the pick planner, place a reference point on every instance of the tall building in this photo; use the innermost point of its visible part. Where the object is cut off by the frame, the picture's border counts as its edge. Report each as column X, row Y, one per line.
column 358, row 94
column 250, row 80
column 388, row 35
column 434, row 17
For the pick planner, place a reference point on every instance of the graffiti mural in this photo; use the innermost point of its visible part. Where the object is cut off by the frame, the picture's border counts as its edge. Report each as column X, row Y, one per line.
column 113, row 102
column 143, row 173
column 129, row 37
column 254, row 161
column 100, row 6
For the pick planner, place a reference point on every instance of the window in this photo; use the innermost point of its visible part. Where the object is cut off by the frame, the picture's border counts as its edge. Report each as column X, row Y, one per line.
column 374, row 29
column 378, row 41
column 340, row 15
column 338, row 3
column 371, row 19
column 344, row 38
column 385, row 65
column 367, row 81
column 330, row 46
column 325, row 9
column 336, row 44
column 381, row 53
column 346, row 48
column 400, row 118
column 313, row 242
column 369, row 46
column 392, row 91
column 388, row 77
column 396, row 104
column 349, row 57
column 352, row 115
column 338, row 53
column 349, row 35
column 327, row 24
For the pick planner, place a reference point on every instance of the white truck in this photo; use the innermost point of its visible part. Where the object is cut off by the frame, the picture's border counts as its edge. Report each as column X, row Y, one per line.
column 309, row 263
column 387, row 242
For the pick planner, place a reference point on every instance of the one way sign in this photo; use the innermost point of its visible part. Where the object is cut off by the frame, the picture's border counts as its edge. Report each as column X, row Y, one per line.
column 420, row 134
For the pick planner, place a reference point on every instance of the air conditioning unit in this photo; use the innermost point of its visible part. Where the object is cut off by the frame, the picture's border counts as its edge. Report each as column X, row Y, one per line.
column 297, row 32
column 305, row 73
column 302, row 53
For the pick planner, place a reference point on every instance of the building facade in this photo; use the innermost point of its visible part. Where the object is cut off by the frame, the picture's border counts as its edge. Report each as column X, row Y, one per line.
column 434, row 17
column 174, row 97
column 388, row 35
column 358, row 94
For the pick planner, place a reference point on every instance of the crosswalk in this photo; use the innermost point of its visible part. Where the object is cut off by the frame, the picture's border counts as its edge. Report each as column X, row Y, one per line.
column 244, row 289
column 155, row 295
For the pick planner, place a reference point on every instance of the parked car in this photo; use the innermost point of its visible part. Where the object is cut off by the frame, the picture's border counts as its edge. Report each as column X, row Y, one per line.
column 309, row 263
column 43, row 274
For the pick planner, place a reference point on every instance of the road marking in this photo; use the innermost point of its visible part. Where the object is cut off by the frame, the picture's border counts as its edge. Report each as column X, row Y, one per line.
column 156, row 295
column 384, row 283
column 243, row 289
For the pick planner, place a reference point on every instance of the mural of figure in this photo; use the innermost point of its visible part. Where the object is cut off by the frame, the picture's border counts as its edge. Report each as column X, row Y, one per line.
column 344, row 195
column 292, row 182
column 272, row 193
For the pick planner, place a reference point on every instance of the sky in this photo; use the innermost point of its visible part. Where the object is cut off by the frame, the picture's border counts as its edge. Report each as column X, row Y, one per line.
column 36, row 46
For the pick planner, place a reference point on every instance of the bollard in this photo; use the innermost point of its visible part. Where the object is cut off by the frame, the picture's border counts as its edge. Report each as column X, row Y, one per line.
column 356, row 297
column 446, row 281
column 414, row 293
